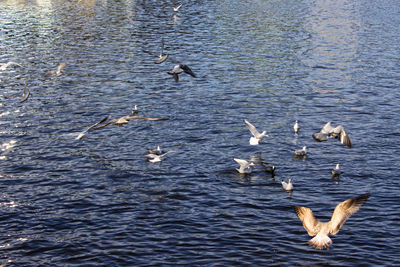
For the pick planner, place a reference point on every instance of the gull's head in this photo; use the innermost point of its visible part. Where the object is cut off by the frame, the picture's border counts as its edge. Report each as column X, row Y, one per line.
column 304, row 148
column 337, row 166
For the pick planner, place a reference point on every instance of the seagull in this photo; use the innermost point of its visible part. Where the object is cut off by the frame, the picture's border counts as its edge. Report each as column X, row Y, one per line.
column 56, row 72
column 321, row 230
column 10, row 63
column 328, row 131
column 245, row 166
column 176, row 9
column 82, row 134
column 153, row 158
column 296, row 127
column 287, row 186
column 301, row 152
column 26, row 93
column 135, row 110
column 178, row 69
column 336, row 172
column 257, row 137
column 162, row 57
column 125, row 119
column 156, row 151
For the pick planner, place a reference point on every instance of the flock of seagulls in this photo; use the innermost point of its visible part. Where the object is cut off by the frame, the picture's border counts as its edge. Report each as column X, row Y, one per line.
column 320, row 230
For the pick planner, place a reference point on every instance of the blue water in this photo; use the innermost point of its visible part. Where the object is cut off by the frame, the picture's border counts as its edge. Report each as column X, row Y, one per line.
column 97, row 201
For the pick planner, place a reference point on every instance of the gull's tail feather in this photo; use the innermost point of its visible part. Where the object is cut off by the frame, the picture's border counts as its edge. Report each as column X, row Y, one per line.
column 320, row 241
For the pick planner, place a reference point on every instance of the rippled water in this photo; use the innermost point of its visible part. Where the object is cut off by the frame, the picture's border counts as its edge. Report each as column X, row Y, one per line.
column 98, row 201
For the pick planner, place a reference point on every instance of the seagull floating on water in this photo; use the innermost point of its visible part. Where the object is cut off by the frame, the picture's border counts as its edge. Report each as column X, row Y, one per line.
column 257, row 137
column 154, row 158
column 158, row 151
column 296, row 127
column 321, row 230
column 245, row 166
column 178, row 69
column 57, row 72
column 269, row 169
column 301, row 152
column 176, row 9
column 162, row 57
column 338, row 132
column 336, row 172
column 8, row 64
column 287, row 186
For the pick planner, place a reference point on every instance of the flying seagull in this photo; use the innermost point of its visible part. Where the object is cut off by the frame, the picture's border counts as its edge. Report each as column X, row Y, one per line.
column 125, row 119
column 26, row 93
column 178, row 69
column 296, row 127
column 321, row 230
column 8, row 64
column 162, row 57
column 57, row 72
column 287, row 186
column 245, row 166
column 328, row 131
column 176, row 9
column 336, row 172
column 257, row 137
column 83, row 133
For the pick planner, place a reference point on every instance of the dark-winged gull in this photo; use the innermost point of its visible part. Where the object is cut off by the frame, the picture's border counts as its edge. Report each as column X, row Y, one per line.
column 83, row 133
column 178, row 69
column 321, row 230
column 257, row 136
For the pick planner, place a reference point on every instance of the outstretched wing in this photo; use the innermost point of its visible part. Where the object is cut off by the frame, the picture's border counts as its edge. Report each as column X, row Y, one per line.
column 344, row 210
column 310, row 223
column 241, row 162
column 345, row 138
column 252, row 129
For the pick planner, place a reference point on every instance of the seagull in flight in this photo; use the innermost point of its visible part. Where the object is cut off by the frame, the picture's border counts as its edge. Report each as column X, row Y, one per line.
column 257, row 137
column 57, row 72
column 26, row 93
column 176, row 9
column 321, row 230
column 162, row 57
column 245, row 166
column 125, row 119
column 83, row 133
column 178, row 69
column 338, row 132
column 8, row 64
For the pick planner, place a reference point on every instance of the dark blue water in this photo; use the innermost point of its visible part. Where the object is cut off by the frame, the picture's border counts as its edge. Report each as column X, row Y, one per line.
column 97, row 201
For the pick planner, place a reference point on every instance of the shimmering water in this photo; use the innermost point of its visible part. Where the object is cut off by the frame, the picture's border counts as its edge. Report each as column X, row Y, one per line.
column 98, row 201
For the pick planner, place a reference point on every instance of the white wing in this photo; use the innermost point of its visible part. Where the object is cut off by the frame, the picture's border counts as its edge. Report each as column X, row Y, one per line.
column 252, row 129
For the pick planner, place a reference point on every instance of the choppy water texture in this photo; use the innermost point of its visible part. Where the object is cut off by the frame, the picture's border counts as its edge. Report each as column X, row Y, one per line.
column 98, row 201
